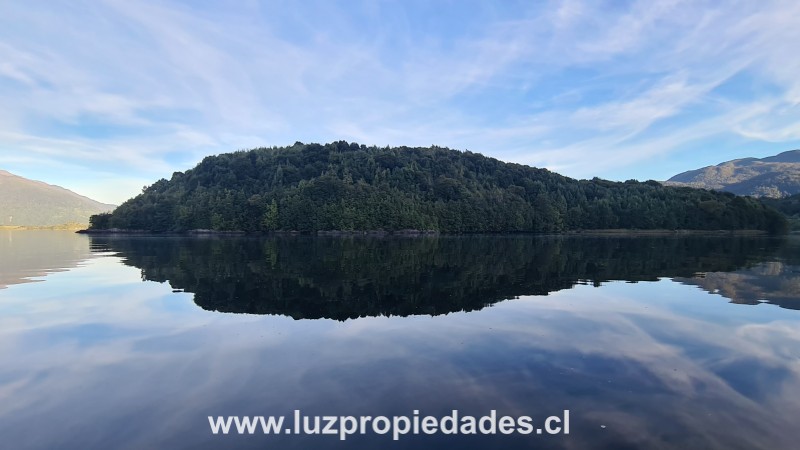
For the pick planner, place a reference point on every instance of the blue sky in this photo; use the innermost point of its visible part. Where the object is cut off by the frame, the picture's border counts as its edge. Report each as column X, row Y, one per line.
column 103, row 97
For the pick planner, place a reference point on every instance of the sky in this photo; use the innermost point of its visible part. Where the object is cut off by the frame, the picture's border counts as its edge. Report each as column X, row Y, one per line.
column 105, row 97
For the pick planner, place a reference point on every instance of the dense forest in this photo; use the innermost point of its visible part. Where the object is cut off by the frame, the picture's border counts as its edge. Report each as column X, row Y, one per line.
column 346, row 186
column 790, row 206
column 345, row 278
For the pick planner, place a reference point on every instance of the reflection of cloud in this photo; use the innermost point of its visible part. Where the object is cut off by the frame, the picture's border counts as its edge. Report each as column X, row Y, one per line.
column 628, row 356
column 781, row 338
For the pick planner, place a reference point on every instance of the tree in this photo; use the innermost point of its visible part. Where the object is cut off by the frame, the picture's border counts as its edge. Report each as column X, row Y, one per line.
column 100, row 221
column 270, row 221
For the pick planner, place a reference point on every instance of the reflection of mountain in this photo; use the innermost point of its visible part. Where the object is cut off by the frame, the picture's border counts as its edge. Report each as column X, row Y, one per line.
column 28, row 254
column 340, row 278
column 774, row 282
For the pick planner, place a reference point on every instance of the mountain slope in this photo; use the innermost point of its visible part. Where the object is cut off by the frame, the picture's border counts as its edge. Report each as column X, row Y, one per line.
column 774, row 176
column 34, row 203
column 343, row 186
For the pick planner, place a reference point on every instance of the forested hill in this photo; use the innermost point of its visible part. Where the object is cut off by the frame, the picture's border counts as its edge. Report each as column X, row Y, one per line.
column 344, row 186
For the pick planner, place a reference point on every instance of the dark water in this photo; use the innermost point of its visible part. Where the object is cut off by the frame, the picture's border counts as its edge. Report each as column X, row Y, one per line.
column 648, row 342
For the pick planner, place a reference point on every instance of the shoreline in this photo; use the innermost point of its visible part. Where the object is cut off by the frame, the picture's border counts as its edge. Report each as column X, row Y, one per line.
column 73, row 228
column 661, row 232
column 384, row 233
column 378, row 233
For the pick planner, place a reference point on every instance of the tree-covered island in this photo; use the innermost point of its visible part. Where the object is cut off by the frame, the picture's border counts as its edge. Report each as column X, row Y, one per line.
column 349, row 187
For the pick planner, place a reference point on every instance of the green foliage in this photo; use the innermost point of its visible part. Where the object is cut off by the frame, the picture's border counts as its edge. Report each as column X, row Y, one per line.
column 270, row 221
column 100, row 221
column 789, row 206
column 344, row 186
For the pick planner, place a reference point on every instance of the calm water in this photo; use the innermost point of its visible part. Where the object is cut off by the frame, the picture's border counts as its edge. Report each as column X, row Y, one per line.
column 648, row 342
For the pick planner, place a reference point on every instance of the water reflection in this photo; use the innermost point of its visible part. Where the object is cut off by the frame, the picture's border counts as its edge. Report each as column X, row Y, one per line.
column 769, row 282
column 95, row 358
column 340, row 278
column 29, row 254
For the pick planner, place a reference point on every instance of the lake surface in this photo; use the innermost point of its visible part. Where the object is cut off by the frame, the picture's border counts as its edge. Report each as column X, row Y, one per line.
column 649, row 342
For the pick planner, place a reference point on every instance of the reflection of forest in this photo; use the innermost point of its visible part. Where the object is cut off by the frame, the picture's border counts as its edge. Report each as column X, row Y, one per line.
column 340, row 278
column 26, row 254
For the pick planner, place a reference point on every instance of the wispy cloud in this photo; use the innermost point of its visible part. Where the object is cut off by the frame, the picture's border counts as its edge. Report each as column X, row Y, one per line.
column 145, row 88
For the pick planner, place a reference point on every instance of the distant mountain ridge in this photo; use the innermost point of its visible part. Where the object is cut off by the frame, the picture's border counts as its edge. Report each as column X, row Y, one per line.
column 25, row 202
column 775, row 176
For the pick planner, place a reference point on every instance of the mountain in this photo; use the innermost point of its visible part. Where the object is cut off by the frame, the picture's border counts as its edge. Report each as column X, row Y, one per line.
column 27, row 202
column 775, row 176
column 346, row 187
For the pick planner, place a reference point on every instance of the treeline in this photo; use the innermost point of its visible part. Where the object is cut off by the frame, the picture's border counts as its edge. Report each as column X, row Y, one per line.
column 789, row 206
column 346, row 186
